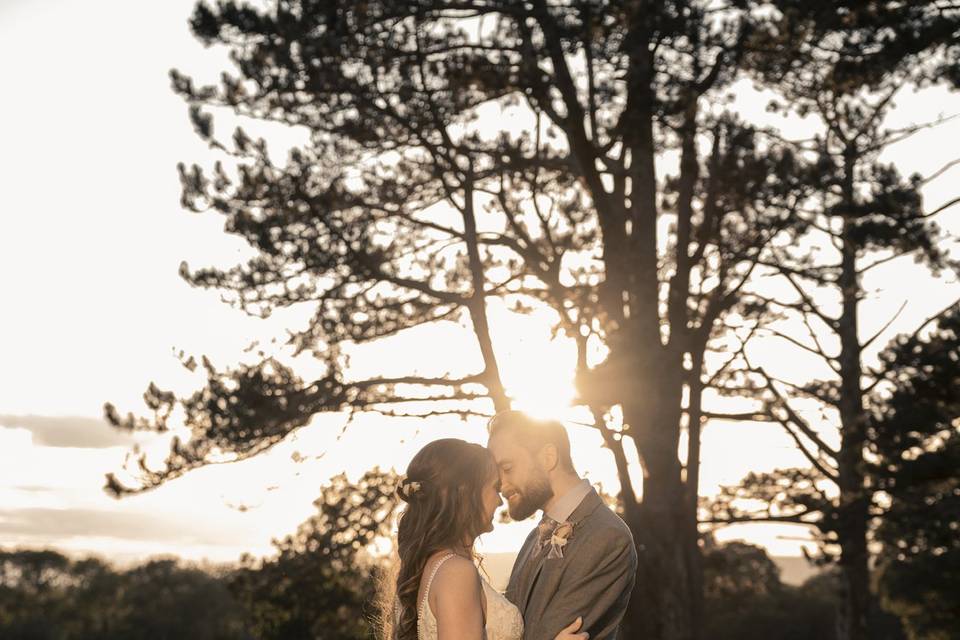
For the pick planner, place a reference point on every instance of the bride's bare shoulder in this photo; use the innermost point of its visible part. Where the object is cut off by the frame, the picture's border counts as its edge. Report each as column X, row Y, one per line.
column 456, row 568
column 456, row 574
column 444, row 569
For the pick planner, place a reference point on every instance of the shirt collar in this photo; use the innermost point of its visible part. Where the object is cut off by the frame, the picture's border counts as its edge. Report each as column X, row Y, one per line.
column 568, row 502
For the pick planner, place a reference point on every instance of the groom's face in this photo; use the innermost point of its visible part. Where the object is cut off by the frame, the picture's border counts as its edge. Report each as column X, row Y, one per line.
column 524, row 482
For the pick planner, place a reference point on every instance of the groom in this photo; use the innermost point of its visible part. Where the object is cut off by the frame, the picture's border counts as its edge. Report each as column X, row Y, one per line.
column 580, row 560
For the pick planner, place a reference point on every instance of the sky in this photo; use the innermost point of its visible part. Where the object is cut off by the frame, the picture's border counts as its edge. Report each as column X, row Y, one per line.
column 91, row 238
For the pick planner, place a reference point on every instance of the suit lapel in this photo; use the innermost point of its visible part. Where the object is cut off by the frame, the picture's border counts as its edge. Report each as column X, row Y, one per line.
column 531, row 571
column 518, row 571
column 530, row 574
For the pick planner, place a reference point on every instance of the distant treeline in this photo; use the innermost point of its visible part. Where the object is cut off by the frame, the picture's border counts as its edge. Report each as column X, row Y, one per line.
column 47, row 596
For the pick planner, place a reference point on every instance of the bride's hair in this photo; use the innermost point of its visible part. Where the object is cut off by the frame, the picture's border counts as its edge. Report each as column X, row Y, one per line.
column 443, row 490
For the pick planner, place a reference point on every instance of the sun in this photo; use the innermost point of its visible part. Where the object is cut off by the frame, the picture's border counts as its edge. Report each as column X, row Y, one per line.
column 537, row 369
column 542, row 393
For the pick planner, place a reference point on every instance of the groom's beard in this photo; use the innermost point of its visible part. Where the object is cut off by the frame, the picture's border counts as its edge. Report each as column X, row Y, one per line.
column 532, row 497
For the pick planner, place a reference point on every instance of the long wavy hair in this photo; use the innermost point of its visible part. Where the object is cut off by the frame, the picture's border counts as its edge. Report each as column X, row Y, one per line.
column 443, row 490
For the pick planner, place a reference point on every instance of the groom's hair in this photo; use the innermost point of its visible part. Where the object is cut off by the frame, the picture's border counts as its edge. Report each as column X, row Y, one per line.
column 533, row 434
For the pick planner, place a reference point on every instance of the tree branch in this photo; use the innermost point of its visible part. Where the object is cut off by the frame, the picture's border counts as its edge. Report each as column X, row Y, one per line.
column 795, row 418
column 936, row 174
column 748, row 416
column 817, row 351
column 885, row 326
column 942, row 208
column 792, row 519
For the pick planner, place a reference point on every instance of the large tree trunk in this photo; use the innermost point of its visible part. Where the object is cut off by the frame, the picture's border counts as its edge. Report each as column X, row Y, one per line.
column 642, row 376
column 662, row 603
column 854, row 502
column 852, row 520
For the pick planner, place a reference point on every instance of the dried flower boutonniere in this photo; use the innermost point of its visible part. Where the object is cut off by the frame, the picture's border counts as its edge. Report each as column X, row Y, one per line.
column 559, row 539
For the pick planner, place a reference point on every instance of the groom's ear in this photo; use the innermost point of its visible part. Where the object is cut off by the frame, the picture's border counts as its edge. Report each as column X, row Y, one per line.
column 549, row 457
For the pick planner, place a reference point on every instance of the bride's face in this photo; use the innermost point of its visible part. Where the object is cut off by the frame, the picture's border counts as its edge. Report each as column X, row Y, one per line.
column 491, row 500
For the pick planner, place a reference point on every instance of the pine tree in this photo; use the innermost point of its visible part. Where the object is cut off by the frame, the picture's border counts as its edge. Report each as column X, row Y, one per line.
column 845, row 64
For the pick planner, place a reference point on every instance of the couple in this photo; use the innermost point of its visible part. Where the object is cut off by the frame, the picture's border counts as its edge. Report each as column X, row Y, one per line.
column 574, row 574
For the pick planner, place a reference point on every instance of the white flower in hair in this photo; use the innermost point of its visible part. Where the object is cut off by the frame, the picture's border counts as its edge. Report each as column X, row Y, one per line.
column 408, row 488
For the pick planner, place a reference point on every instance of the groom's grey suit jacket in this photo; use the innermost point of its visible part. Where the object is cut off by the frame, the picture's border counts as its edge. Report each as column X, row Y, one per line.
column 593, row 579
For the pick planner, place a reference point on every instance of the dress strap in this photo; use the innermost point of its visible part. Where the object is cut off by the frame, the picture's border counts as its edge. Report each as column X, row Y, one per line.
column 426, row 590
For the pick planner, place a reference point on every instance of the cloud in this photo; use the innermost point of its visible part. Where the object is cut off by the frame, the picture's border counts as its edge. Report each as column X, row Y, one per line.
column 31, row 488
column 68, row 431
column 54, row 526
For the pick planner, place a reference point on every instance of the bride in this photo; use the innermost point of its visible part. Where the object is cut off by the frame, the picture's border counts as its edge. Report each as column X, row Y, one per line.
column 452, row 491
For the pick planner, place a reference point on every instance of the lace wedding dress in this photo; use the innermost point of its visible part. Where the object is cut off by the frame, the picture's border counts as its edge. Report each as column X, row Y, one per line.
column 504, row 621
